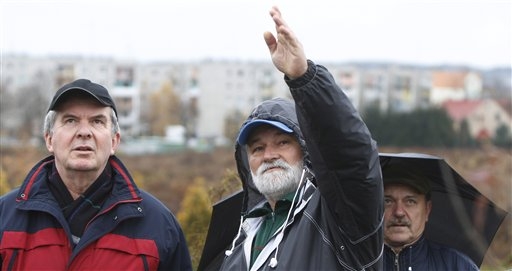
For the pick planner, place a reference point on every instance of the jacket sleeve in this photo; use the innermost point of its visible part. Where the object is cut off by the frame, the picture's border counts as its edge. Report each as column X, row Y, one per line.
column 343, row 154
column 180, row 257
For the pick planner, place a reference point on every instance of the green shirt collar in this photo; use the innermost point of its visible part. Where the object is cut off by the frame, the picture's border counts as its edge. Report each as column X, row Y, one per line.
column 285, row 202
column 272, row 221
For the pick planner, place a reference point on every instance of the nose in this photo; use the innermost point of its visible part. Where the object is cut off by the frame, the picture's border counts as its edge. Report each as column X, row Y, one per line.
column 270, row 154
column 84, row 131
column 399, row 210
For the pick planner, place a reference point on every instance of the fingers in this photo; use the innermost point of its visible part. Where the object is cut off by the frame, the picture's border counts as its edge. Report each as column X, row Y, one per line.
column 277, row 18
column 285, row 49
column 270, row 39
column 274, row 11
column 283, row 32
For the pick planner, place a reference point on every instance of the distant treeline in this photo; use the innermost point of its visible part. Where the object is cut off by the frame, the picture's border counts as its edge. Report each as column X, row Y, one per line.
column 430, row 127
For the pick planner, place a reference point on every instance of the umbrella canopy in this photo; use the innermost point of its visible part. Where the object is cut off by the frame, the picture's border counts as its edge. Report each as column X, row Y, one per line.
column 223, row 227
column 461, row 216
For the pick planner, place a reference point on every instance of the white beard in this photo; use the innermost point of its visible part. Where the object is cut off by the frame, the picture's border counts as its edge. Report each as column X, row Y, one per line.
column 277, row 183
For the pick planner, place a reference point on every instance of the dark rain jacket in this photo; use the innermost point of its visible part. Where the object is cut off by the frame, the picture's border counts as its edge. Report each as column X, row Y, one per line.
column 427, row 256
column 132, row 231
column 337, row 223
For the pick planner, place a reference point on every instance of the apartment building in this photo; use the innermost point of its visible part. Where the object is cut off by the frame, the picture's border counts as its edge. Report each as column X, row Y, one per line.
column 215, row 92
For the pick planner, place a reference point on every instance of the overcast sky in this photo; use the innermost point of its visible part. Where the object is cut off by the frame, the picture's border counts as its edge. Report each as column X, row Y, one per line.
column 467, row 32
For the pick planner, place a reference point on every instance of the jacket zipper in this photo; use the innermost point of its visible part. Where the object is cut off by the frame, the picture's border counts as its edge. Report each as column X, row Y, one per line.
column 145, row 262
column 92, row 219
column 397, row 265
column 10, row 266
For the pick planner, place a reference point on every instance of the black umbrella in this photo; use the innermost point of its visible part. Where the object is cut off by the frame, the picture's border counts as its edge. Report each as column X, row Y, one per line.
column 461, row 216
column 223, row 227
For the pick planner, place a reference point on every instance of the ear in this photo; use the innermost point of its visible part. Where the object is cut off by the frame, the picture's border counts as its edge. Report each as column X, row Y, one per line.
column 429, row 208
column 48, row 141
column 116, row 139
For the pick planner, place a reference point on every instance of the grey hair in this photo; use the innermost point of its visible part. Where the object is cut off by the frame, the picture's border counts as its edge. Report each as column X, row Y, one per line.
column 51, row 116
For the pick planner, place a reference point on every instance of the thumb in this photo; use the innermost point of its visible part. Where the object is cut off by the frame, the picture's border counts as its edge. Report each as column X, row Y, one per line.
column 271, row 41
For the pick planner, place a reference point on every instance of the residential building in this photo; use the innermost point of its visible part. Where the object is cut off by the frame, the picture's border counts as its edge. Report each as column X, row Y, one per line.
column 455, row 85
column 483, row 117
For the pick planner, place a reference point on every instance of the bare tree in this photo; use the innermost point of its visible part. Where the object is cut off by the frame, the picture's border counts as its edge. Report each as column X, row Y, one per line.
column 30, row 107
column 164, row 110
column 6, row 108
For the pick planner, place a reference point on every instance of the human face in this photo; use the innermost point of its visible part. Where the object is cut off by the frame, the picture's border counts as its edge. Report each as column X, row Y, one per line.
column 405, row 214
column 275, row 159
column 81, row 139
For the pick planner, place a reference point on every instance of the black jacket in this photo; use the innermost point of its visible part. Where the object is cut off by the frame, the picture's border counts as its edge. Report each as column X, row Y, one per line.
column 427, row 256
column 337, row 224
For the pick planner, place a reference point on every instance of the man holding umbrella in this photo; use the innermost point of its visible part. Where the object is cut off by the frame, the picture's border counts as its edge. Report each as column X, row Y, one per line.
column 313, row 196
column 407, row 202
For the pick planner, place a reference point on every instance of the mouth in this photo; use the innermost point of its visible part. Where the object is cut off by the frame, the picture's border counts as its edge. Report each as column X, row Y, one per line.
column 398, row 226
column 271, row 169
column 83, row 149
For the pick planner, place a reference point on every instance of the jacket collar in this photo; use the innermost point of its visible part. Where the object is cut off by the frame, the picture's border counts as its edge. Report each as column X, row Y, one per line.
column 35, row 184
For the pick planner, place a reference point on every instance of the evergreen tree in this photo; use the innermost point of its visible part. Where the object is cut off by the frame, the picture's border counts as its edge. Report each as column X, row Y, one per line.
column 464, row 138
column 503, row 138
column 423, row 127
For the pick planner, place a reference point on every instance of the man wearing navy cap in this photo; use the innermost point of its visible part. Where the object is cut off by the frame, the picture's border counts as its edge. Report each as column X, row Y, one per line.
column 79, row 208
column 313, row 196
column 407, row 206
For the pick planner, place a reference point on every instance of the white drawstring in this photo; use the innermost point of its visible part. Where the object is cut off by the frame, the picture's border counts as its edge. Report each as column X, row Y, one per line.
column 273, row 261
column 230, row 251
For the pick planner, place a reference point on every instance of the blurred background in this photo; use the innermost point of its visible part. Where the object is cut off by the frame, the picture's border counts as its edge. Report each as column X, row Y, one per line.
column 427, row 76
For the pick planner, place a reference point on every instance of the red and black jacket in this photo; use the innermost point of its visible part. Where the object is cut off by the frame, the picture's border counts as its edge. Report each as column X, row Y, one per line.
column 132, row 230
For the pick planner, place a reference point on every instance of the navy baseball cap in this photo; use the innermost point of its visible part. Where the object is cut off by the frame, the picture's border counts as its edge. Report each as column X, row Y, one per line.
column 97, row 91
column 246, row 130
column 394, row 174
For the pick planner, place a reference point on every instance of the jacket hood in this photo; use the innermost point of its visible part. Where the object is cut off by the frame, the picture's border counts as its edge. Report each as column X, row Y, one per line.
column 277, row 109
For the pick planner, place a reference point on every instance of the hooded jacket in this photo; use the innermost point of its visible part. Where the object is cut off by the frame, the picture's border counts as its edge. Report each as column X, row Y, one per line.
column 336, row 221
column 132, row 230
column 424, row 255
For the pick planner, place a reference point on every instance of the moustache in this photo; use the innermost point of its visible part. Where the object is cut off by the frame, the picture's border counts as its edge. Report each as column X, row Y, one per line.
column 398, row 224
column 275, row 164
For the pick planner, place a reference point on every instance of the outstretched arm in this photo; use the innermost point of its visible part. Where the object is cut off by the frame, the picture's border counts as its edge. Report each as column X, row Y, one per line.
column 343, row 155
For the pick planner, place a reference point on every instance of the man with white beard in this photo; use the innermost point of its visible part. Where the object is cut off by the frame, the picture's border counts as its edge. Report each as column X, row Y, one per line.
column 313, row 196
column 275, row 178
